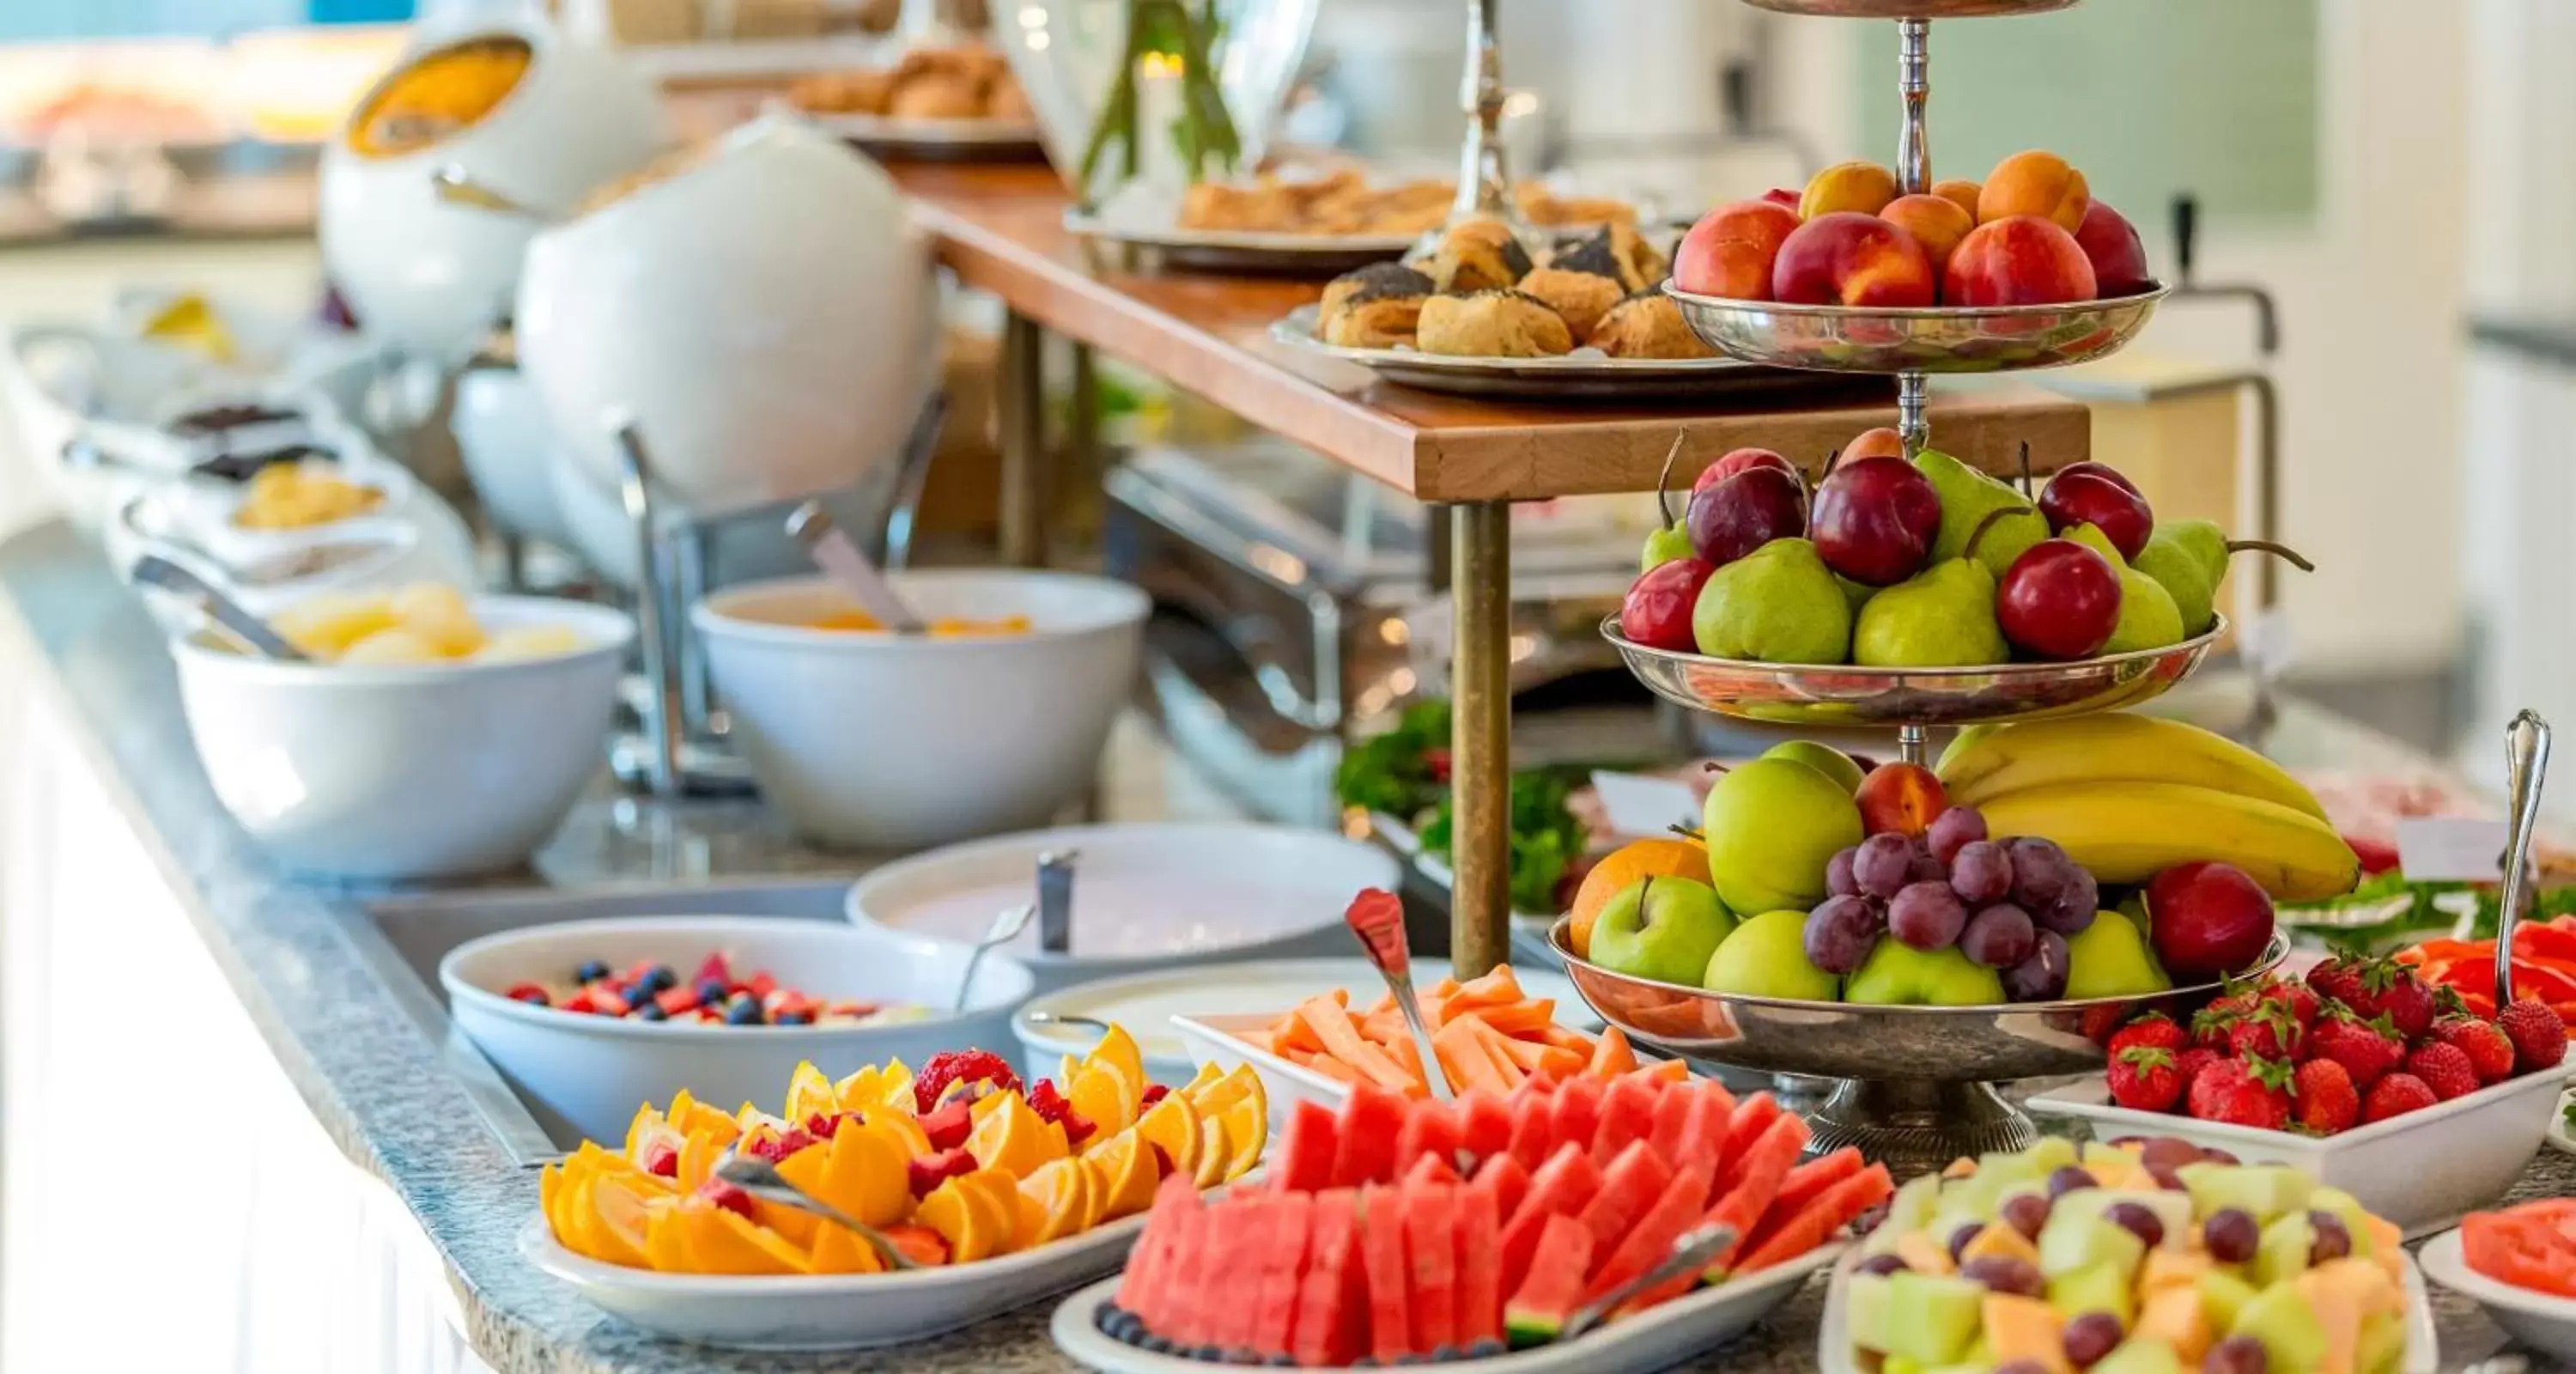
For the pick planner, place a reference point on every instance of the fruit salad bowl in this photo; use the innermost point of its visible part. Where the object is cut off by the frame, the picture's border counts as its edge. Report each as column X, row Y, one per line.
column 1837, row 338
column 1913, row 1080
column 1847, row 696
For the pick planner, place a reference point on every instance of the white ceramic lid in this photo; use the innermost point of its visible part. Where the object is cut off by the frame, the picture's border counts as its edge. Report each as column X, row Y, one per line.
column 1139, row 891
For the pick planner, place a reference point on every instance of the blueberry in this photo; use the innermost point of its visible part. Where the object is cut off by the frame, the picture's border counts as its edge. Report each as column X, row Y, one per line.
column 794, row 1018
column 650, row 1011
column 1156, row 1344
column 712, row 990
column 658, row 978
column 1283, row 1360
column 1411, row 1357
column 1106, row 1319
column 744, row 1012
column 1213, row 1354
column 1486, row 1349
column 591, row 972
column 1442, row 1354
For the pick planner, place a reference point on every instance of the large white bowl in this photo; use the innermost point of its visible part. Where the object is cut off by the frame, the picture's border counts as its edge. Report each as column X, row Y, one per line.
column 510, row 453
column 432, row 278
column 2543, row 1321
column 764, row 314
column 594, row 1071
column 407, row 772
column 874, row 741
column 1145, row 897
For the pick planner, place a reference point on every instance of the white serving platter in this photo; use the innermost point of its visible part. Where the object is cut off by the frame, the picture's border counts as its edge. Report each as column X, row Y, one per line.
column 2540, row 1320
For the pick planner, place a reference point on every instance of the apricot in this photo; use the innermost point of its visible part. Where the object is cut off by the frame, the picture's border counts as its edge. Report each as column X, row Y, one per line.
column 1865, row 187
column 2034, row 183
column 1848, row 258
column 1730, row 251
column 1875, row 443
column 1936, row 222
column 1962, row 190
column 2022, row 260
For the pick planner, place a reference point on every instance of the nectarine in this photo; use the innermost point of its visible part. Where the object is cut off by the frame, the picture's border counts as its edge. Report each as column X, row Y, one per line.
column 1848, row 258
column 1936, row 222
column 1960, row 190
column 2023, row 260
column 1874, row 443
column 2119, row 259
column 2034, row 183
column 1729, row 252
column 1862, row 186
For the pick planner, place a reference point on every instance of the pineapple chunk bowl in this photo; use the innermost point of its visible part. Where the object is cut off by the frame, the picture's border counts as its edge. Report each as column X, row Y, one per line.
column 432, row 735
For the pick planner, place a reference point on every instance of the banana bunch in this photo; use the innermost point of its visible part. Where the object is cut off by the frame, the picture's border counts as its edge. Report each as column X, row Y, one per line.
column 2129, row 796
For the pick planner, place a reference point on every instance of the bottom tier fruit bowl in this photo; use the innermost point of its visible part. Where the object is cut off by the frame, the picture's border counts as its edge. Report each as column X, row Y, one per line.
column 1914, row 1084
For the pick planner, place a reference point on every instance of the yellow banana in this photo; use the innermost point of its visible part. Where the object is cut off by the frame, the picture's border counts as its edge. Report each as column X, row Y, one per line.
column 2127, row 832
column 2112, row 747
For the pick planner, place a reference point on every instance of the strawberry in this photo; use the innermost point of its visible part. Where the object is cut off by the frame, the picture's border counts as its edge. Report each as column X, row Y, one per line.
column 2443, row 1068
column 2490, row 1053
column 2391, row 989
column 927, row 1172
column 729, row 1197
column 2243, row 1092
column 2210, row 1027
column 2301, row 1001
column 1051, row 1105
column 1156, row 1092
column 949, row 1124
column 776, row 1146
column 2366, row 1050
column 2326, row 1101
column 2396, row 1095
column 2190, row 1062
column 2339, row 979
column 2144, row 1076
column 2269, row 1031
column 662, row 1161
column 2155, row 1030
column 2539, row 1038
column 950, row 1067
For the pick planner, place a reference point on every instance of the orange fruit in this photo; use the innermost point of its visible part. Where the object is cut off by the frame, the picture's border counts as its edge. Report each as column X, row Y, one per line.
column 698, row 1237
column 1065, row 1193
column 1673, row 858
column 1012, row 1137
column 1247, row 1129
column 1173, row 1124
column 621, row 1213
column 1214, row 1155
column 976, row 1221
column 1124, row 1169
column 840, row 1251
column 809, row 1092
column 862, row 1172
column 1104, row 1099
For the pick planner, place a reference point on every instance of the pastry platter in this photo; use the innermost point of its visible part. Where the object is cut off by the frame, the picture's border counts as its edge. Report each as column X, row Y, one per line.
column 1586, row 374
column 1275, row 252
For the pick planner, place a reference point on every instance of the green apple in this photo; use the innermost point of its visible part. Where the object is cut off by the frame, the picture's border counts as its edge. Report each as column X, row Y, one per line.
column 1824, row 758
column 1665, row 545
column 1771, row 825
column 2110, row 958
column 1897, row 974
column 1767, row 957
column 1661, row 928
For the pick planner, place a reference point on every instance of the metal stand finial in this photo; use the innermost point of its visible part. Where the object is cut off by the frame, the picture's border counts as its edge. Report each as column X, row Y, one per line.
column 1914, row 88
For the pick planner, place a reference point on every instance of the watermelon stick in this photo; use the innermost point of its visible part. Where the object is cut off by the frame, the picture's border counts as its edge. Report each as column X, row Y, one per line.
column 1695, row 1251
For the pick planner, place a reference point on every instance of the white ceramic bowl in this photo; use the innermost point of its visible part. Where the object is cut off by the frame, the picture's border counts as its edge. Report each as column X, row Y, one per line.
column 431, row 277
column 510, row 453
column 593, row 1071
column 407, row 772
column 870, row 741
column 2482, row 1143
column 765, row 314
column 1144, row 896
column 2543, row 1321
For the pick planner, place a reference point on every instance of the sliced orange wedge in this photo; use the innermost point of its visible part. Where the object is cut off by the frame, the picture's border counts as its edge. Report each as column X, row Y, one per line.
column 1065, row 1194
column 963, row 1219
column 1213, row 1155
column 1124, row 1169
column 1174, row 1125
column 1012, row 1137
column 620, row 1213
column 1247, row 1130
column 1103, row 1099
column 809, row 1093
column 838, row 1250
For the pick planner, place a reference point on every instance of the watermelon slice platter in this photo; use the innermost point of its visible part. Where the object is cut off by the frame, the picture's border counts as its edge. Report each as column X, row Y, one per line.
column 1382, row 1236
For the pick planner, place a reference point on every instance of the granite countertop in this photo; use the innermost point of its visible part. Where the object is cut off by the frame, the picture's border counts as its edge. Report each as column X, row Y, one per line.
column 378, row 1084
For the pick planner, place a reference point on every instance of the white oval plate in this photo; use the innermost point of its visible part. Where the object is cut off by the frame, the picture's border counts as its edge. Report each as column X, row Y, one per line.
column 1690, row 1325
column 2538, row 1320
column 2559, row 1134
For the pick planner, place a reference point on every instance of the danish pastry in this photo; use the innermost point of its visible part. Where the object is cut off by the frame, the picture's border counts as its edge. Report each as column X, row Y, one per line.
column 1493, row 323
column 1377, row 306
column 1647, row 325
column 1478, row 255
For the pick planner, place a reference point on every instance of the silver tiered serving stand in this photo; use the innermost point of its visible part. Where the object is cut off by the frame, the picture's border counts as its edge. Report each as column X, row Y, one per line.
column 1911, row 1086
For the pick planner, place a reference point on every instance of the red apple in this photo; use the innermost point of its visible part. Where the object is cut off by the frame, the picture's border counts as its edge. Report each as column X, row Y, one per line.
column 1730, row 251
column 1737, row 460
column 1657, row 610
column 1900, row 798
column 2021, row 260
column 1874, row 520
column 2207, row 920
column 1733, row 518
column 2059, row 600
column 2084, row 498
column 2111, row 242
column 1848, row 258
column 2102, row 470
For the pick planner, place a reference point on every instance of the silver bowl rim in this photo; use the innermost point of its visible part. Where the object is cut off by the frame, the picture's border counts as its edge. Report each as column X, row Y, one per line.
column 2028, row 671
column 1929, row 314
column 2274, row 953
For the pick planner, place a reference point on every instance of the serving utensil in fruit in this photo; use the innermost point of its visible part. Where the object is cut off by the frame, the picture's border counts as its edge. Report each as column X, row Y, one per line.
column 1694, row 1252
column 1006, row 927
column 2526, row 762
column 1055, row 900
column 274, row 570
column 227, row 614
column 762, row 1180
column 840, row 560
column 1377, row 917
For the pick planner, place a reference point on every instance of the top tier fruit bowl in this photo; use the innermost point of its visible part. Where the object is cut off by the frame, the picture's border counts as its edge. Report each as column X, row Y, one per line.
column 1928, row 339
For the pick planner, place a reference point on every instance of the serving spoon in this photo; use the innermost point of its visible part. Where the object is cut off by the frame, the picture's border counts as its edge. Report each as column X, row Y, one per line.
column 229, row 615
column 840, row 559
column 1006, row 927
column 761, row 1179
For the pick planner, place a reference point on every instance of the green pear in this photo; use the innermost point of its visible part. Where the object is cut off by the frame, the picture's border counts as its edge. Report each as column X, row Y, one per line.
column 2110, row 958
column 1777, row 604
column 1897, row 974
column 2149, row 619
column 1857, row 593
column 1824, row 758
column 1667, row 543
column 1771, row 826
column 1943, row 616
column 1967, row 498
column 2180, row 572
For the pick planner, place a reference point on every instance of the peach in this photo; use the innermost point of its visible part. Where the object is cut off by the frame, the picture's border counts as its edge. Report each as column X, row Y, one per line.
column 1729, row 252
column 2034, row 183
column 2023, row 260
column 1962, row 190
column 1848, row 258
column 1936, row 222
column 2119, row 259
column 1862, row 186
column 1783, row 197
column 1874, row 443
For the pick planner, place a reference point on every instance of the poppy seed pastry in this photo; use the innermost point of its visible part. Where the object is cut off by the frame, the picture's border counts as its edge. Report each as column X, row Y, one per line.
column 1498, row 323
column 1647, row 325
column 1374, row 307
column 1580, row 295
column 1615, row 250
column 1479, row 255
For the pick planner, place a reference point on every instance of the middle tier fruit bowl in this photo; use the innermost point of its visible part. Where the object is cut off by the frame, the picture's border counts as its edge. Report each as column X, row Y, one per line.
column 1850, row 696
column 1841, row 338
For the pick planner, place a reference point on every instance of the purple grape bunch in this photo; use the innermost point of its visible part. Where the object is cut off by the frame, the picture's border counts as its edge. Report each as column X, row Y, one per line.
column 2008, row 904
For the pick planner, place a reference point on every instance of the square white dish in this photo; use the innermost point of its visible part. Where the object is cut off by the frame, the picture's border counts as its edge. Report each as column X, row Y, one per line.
column 1691, row 1325
column 2483, row 1142
column 2538, row 1320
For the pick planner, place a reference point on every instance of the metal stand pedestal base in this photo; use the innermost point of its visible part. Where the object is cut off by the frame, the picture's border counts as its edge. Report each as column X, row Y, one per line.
column 1916, row 1127
column 705, row 770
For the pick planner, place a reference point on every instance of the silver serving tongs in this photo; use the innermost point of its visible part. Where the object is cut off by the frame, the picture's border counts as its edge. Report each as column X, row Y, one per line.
column 1691, row 1254
column 227, row 614
column 1376, row 916
column 2526, row 763
column 761, row 1179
